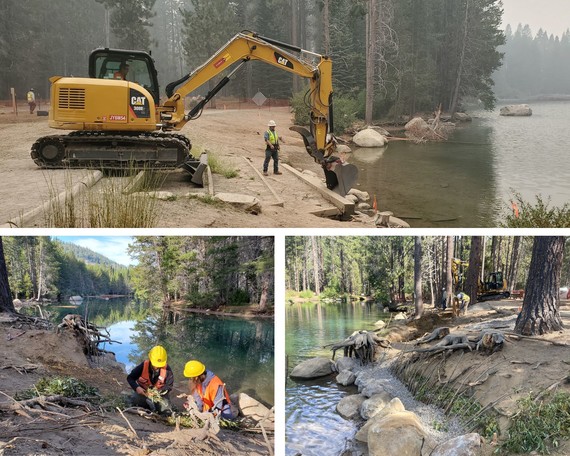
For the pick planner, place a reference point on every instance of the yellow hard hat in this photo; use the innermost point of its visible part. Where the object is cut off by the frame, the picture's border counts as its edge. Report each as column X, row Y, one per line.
column 194, row 369
column 158, row 356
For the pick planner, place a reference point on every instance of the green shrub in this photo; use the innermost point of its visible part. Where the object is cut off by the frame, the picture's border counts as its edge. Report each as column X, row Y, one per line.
column 238, row 297
column 537, row 215
column 306, row 294
column 62, row 386
column 539, row 425
column 345, row 109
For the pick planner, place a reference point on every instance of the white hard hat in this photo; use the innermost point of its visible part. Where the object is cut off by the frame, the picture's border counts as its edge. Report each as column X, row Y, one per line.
column 271, row 123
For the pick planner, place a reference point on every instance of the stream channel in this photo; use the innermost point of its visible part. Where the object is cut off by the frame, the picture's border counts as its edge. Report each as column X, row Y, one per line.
column 240, row 351
column 313, row 427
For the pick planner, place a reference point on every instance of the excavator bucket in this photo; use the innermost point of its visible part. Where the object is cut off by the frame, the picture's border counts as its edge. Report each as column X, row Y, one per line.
column 196, row 169
column 340, row 177
column 347, row 176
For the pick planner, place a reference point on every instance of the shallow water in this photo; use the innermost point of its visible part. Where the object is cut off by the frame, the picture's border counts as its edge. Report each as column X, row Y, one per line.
column 469, row 180
column 313, row 427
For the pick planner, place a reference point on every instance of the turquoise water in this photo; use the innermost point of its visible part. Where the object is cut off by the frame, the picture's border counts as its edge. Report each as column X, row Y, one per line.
column 469, row 180
column 240, row 351
column 313, row 427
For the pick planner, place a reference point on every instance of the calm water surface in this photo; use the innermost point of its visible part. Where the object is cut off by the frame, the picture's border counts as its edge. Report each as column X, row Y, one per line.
column 469, row 180
column 313, row 427
column 239, row 351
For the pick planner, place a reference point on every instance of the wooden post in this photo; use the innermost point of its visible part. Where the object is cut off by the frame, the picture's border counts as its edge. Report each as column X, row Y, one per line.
column 14, row 105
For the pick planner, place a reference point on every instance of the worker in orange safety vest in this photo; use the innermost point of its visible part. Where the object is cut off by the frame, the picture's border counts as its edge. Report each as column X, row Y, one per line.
column 152, row 373
column 208, row 390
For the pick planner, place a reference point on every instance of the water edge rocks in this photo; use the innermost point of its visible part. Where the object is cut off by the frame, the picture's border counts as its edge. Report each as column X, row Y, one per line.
column 348, row 407
column 345, row 378
column 369, row 138
column 313, row 368
column 520, row 110
column 464, row 445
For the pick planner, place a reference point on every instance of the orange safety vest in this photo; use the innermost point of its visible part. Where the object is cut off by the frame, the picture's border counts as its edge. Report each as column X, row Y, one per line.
column 144, row 379
column 209, row 395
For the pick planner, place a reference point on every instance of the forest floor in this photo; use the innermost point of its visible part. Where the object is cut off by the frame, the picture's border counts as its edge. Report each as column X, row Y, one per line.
column 28, row 354
column 524, row 365
column 234, row 136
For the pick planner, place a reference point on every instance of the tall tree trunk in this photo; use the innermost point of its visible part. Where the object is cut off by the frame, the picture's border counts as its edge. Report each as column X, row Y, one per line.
column 6, row 303
column 315, row 265
column 515, row 260
column 418, row 299
column 456, row 90
column 371, row 38
column 483, row 260
column 295, row 37
column 326, row 30
column 540, row 312
column 473, row 273
column 265, row 281
column 448, row 272
column 494, row 245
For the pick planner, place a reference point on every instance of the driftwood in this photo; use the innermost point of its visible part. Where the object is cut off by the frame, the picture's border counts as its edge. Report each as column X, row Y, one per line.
column 487, row 342
column 91, row 335
column 437, row 333
column 360, row 345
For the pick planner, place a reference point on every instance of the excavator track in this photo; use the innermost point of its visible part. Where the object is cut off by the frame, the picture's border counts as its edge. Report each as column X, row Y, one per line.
column 112, row 150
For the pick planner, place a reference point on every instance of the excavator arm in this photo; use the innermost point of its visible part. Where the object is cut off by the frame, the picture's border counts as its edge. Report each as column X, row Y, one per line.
column 243, row 47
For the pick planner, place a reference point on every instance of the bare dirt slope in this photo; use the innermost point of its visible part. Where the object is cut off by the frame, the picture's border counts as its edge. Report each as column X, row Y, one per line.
column 234, row 136
column 29, row 354
column 525, row 365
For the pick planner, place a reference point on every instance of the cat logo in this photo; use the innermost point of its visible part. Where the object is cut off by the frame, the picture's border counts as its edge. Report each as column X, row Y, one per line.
column 138, row 101
column 281, row 60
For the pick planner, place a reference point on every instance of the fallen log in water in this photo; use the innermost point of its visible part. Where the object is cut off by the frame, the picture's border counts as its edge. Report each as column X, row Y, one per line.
column 360, row 345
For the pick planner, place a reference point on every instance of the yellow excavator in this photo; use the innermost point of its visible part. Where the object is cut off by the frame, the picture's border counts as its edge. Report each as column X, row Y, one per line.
column 119, row 122
column 493, row 287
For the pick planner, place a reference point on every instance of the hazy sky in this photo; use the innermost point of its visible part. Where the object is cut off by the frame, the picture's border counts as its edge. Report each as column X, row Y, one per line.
column 113, row 247
column 550, row 15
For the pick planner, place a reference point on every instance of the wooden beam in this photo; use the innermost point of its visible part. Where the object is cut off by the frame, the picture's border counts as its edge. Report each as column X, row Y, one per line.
column 345, row 206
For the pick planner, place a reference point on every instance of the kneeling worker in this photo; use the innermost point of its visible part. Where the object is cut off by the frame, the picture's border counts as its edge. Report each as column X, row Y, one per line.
column 152, row 373
column 464, row 300
column 208, row 390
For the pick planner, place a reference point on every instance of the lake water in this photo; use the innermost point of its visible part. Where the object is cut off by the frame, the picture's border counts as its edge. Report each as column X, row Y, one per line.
column 313, row 427
column 240, row 351
column 469, row 180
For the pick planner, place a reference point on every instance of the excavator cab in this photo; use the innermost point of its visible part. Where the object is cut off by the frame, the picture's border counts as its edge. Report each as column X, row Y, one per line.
column 105, row 63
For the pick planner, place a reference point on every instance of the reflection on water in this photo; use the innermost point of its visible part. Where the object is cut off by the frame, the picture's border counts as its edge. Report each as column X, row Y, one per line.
column 467, row 181
column 313, row 426
column 239, row 351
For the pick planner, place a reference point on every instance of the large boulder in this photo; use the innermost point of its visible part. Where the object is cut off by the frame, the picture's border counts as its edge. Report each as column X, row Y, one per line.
column 516, row 110
column 464, row 445
column 346, row 363
column 462, row 117
column 394, row 406
column 374, row 404
column 399, row 434
column 313, row 368
column 369, row 138
column 345, row 378
column 349, row 406
column 251, row 408
column 417, row 123
column 361, row 196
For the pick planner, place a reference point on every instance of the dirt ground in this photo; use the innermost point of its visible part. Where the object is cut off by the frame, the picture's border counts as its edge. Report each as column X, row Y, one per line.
column 29, row 354
column 524, row 365
column 235, row 136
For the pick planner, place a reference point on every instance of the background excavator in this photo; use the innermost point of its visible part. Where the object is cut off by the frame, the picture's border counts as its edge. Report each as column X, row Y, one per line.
column 494, row 286
column 121, row 123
